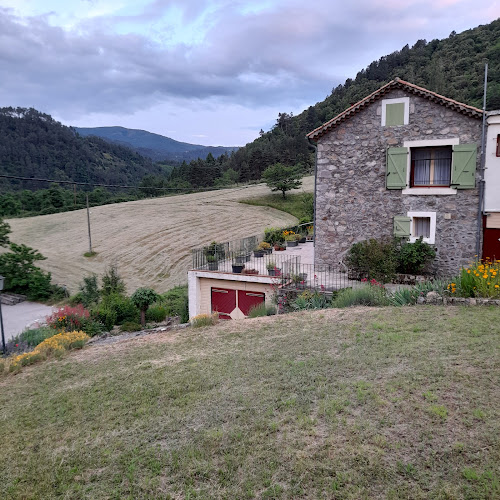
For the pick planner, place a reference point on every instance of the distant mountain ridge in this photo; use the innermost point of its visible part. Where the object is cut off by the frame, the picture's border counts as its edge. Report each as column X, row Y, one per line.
column 154, row 146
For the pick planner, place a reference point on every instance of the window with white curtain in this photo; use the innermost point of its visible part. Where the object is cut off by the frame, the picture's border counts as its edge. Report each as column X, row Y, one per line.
column 423, row 225
column 431, row 166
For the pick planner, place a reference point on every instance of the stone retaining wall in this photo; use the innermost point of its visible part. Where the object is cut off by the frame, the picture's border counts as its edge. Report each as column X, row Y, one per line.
column 434, row 298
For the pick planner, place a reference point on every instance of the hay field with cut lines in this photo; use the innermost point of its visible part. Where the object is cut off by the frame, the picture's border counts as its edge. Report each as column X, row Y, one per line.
column 149, row 240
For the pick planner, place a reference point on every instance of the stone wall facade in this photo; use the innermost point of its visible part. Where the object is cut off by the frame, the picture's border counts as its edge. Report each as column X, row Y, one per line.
column 352, row 201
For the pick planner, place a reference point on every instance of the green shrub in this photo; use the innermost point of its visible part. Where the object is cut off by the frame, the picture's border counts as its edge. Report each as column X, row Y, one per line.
column 112, row 283
column 34, row 336
column 262, row 309
column 130, row 326
column 310, row 300
column 89, row 291
column 409, row 296
column 156, row 313
column 364, row 296
column 373, row 259
column 204, row 320
column 123, row 307
column 404, row 297
column 75, row 299
column 413, row 258
column 105, row 315
column 21, row 274
column 175, row 302
column 273, row 235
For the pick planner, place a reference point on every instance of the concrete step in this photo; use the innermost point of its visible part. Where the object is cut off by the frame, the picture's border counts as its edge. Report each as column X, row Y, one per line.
column 11, row 299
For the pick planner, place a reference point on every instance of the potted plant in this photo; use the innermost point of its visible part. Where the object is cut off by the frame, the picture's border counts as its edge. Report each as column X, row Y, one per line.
column 272, row 270
column 278, row 247
column 238, row 268
column 265, row 247
column 215, row 250
column 258, row 252
column 310, row 233
column 239, row 258
column 299, row 280
column 290, row 238
column 213, row 263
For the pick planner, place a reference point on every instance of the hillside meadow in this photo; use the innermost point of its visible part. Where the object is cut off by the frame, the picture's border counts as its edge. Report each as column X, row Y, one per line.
column 150, row 240
column 385, row 403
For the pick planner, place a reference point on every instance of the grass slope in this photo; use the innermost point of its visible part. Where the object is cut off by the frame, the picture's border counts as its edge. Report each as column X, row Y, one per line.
column 360, row 403
column 295, row 204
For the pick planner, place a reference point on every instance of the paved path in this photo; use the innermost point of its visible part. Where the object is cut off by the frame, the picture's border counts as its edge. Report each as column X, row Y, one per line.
column 19, row 317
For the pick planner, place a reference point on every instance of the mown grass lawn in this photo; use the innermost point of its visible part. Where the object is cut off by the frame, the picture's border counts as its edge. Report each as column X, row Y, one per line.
column 297, row 204
column 355, row 403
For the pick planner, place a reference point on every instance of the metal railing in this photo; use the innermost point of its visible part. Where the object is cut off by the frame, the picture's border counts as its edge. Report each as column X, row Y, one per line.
column 286, row 271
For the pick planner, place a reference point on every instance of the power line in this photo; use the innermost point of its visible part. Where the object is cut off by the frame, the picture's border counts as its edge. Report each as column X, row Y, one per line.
column 94, row 184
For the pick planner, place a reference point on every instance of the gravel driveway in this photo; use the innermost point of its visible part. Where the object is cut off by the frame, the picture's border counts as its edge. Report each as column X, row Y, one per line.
column 17, row 318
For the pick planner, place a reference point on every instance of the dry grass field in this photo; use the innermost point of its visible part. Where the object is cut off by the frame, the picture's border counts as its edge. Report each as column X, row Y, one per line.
column 149, row 240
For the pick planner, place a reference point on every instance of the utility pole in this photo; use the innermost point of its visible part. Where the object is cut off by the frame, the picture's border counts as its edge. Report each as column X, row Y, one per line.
column 88, row 223
column 481, row 169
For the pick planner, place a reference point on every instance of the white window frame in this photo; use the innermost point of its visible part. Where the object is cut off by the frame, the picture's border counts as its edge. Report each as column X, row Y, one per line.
column 432, row 233
column 427, row 143
column 405, row 100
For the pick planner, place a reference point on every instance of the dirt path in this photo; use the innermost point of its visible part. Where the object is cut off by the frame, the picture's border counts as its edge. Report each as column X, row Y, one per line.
column 149, row 240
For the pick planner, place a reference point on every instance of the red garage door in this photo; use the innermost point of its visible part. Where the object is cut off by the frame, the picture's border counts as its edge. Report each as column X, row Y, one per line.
column 225, row 301
column 247, row 300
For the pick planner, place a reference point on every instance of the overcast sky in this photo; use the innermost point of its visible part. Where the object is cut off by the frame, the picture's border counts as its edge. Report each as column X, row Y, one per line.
column 208, row 72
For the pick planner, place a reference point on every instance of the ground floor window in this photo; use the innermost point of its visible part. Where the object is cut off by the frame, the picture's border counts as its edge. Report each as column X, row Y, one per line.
column 423, row 225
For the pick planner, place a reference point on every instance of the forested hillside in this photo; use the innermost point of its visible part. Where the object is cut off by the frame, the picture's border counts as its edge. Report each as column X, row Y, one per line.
column 154, row 146
column 33, row 144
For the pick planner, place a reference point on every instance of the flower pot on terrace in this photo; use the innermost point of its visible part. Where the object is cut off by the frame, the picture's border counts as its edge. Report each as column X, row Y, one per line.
column 274, row 272
column 291, row 243
column 302, row 240
column 258, row 253
column 213, row 266
column 237, row 268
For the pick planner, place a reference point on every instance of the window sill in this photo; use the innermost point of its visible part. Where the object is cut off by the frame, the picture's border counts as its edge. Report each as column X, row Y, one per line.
column 429, row 241
column 429, row 191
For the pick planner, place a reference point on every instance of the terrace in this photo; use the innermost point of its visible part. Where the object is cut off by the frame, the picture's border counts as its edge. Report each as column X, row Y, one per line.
column 292, row 267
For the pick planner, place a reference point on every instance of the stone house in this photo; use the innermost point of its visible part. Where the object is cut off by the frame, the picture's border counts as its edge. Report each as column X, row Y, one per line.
column 403, row 161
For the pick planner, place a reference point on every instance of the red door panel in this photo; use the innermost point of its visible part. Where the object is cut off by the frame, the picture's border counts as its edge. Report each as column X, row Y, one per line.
column 247, row 300
column 223, row 301
column 491, row 242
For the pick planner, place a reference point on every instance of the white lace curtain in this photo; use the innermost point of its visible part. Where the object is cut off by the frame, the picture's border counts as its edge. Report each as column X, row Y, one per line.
column 422, row 159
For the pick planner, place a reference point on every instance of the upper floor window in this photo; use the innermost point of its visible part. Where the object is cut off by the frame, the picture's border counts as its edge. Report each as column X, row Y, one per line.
column 498, row 145
column 431, row 167
column 395, row 112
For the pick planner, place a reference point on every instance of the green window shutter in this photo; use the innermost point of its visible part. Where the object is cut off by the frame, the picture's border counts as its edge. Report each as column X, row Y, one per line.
column 397, row 163
column 463, row 170
column 402, row 226
column 395, row 114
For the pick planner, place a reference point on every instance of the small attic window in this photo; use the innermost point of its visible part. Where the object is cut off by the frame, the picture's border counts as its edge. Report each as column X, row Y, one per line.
column 395, row 112
column 498, row 145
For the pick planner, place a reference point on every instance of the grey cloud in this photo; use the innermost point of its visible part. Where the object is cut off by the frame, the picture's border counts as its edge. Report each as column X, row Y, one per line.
column 285, row 55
